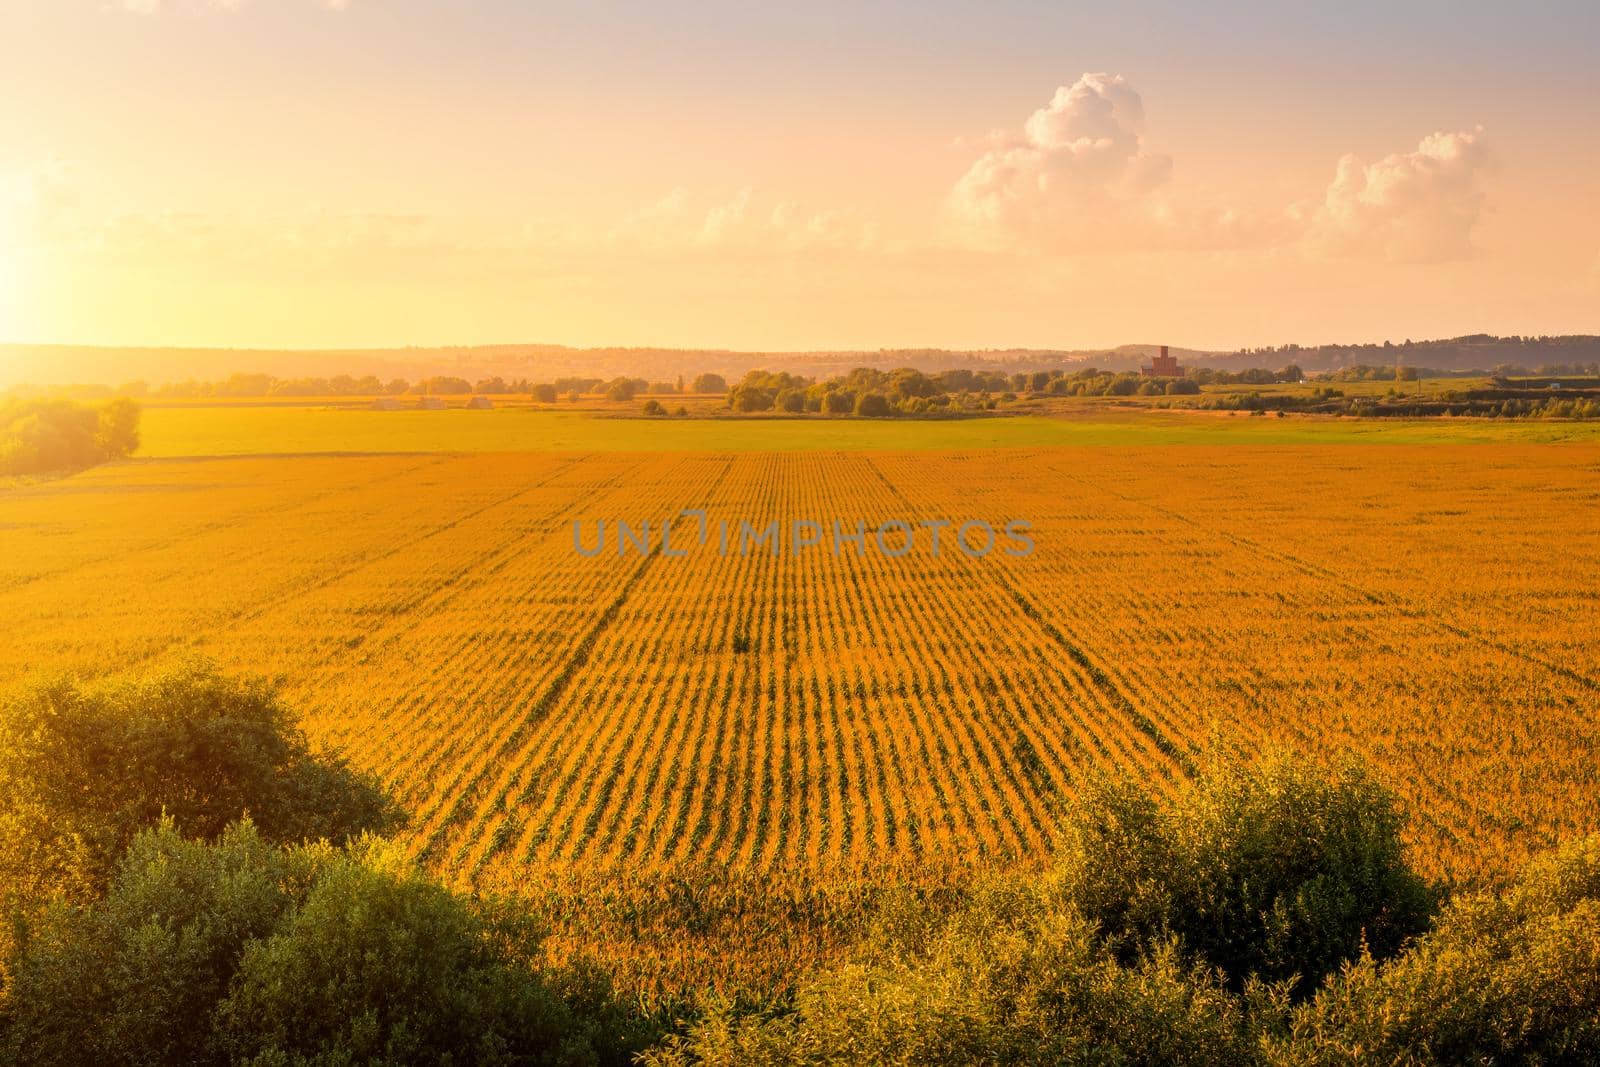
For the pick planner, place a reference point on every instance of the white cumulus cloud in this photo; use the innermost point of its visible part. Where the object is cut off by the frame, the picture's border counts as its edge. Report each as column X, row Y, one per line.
column 1409, row 207
column 1078, row 164
column 1080, row 175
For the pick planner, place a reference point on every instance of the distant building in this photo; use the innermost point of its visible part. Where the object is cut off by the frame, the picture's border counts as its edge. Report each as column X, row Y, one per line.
column 1163, row 366
column 386, row 403
column 480, row 403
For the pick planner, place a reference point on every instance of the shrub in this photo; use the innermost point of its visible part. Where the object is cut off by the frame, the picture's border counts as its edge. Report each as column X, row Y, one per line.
column 653, row 407
column 544, row 394
column 1011, row 978
column 1502, row 978
column 1273, row 869
column 136, row 977
column 709, row 383
column 83, row 768
column 381, row 965
column 242, row 951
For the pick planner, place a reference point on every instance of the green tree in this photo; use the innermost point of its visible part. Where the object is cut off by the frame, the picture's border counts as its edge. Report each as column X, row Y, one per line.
column 118, row 433
column 90, row 766
column 748, row 398
column 873, row 405
column 1273, row 869
column 38, row 436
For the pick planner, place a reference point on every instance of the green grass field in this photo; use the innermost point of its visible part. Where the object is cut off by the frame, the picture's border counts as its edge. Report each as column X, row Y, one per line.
column 226, row 430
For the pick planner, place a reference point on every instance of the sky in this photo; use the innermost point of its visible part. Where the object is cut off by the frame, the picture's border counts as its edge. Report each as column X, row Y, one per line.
column 1008, row 173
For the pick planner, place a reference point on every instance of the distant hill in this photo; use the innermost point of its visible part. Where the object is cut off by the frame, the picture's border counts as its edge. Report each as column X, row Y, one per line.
column 1480, row 352
column 74, row 364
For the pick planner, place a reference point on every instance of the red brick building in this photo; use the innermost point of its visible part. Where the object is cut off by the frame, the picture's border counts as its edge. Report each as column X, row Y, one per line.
column 1163, row 366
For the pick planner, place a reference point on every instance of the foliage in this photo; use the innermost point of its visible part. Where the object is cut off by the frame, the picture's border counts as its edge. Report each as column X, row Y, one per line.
column 1011, row 978
column 241, row 951
column 98, row 763
column 136, row 976
column 1510, row 977
column 872, row 405
column 1274, row 870
column 382, row 965
column 1018, row 972
column 37, row 436
column 442, row 385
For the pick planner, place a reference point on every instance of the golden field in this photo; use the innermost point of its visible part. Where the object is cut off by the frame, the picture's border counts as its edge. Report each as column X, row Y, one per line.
column 1433, row 609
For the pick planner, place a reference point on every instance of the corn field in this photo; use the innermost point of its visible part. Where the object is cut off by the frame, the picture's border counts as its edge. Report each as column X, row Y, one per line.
column 615, row 726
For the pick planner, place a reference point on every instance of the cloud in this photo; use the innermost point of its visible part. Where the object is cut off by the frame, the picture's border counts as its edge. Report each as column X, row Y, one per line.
column 745, row 223
column 1080, row 176
column 1078, row 165
column 1409, row 207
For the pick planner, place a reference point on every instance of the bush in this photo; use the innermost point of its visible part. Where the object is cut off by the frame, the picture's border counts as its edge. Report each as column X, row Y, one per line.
column 792, row 400
column 1011, row 978
column 136, row 977
column 544, row 394
column 653, row 407
column 1273, row 870
column 709, row 383
column 1502, row 978
column 381, row 965
column 83, row 768
column 241, row 951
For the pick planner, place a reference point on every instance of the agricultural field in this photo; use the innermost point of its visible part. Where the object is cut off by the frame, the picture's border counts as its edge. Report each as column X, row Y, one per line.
column 589, row 723
column 225, row 428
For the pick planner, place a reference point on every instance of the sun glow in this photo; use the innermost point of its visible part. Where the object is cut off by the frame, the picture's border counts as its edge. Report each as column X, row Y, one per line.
column 10, row 285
